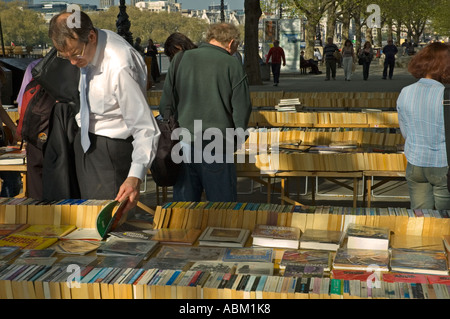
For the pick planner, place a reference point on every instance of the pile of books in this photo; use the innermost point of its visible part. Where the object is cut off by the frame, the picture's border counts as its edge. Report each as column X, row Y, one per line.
column 289, row 105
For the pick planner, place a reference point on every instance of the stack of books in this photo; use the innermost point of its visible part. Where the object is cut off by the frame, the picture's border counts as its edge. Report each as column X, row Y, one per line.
column 289, row 105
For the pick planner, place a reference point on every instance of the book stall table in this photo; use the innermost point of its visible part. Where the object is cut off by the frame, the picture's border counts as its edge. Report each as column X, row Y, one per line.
column 386, row 176
column 18, row 168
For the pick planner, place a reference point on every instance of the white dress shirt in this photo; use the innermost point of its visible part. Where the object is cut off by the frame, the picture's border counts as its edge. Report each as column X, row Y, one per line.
column 117, row 98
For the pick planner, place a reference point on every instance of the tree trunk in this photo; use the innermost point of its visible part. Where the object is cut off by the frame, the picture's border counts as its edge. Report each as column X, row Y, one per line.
column 251, row 51
column 331, row 21
column 358, row 33
column 345, row 25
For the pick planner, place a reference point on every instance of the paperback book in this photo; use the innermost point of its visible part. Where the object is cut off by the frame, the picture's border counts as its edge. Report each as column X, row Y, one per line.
column 431, row 243
column 276, row 236
column 321, row 239
column 367, row 237
column 297, row 270
column 224, row 237
column 191, row 253
column 56, row 231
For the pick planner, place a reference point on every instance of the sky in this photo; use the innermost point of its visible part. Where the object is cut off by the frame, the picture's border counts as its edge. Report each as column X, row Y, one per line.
column 185, row 4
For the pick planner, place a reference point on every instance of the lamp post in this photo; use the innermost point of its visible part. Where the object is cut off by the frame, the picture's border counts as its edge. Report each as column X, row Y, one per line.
column 123, row 23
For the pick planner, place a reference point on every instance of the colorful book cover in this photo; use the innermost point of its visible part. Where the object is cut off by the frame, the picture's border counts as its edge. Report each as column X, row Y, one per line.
column 248, row 254
column 27, row 242
column 361, row 259
column 276, row 232
column 47, row 230
column 428, row 262
column 191, row 253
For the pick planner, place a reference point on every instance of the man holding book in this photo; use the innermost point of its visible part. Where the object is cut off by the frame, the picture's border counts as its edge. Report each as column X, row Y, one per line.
column 118, row 134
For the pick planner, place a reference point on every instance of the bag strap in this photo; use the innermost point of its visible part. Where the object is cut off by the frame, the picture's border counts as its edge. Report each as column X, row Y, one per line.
column 169, row 111
column 446, row 105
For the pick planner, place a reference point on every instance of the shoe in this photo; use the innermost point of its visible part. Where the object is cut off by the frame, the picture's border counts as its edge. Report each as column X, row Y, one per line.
column 275, row 84
column 383, row 78
column 334, row 78
column 390, row 78
column 327, row 79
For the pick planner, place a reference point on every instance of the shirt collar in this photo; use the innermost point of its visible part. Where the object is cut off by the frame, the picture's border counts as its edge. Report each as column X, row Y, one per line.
column 214, row 47
column 430, row 82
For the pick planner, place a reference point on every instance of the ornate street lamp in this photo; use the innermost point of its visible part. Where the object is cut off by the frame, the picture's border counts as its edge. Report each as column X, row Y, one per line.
column 123, row 23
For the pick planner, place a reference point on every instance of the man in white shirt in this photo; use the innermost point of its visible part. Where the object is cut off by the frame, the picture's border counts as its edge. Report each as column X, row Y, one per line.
column 123, row 133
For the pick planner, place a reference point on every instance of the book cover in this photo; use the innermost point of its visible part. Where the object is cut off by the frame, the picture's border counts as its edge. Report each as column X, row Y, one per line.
column 423, row 262
column 321, row 239
column 297, row 270
column 402, row 277
column 276, row 236
column 214, row 266
column 367, row 237
column 12, row 156
column 120, row 261
column 226, row 237
column 307, row 257
column 166, row 263
column 7, row 229
column 177, row 236
column 361, row 259
column 8, row 252
column 37, row 253
column 248, row 254
column 255, row 268
column 119, row 247
column 47, row 230
column 191, row 253
column 27, row 242
column 76, row 247
column 433, row 243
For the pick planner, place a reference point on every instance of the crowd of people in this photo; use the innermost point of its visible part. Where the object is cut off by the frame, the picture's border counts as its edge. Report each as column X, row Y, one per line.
column 116, row 135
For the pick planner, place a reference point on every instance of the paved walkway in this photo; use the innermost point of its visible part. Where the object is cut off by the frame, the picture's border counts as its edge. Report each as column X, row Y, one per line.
column 294, row 82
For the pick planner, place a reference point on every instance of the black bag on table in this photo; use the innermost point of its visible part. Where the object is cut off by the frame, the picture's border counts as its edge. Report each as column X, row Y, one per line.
column 164, row 170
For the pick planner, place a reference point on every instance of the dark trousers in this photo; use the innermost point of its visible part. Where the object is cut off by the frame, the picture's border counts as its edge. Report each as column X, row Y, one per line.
column 218, row 180
column 276, row 67
column 390, row 65
column 366, row 67
column 331, row 68
column 35, row 159
column 104, row 167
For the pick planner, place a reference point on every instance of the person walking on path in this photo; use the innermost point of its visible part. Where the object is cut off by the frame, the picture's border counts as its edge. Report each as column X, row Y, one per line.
column 421, row 119
column 277, row 54
column 330, row 61
column 348, row 54
column 366, row 55
column 389, row 51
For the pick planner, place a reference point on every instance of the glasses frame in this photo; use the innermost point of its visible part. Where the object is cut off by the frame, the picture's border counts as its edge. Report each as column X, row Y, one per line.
column 74, row 57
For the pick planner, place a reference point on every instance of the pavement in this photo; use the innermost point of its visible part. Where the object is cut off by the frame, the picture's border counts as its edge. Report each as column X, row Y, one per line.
column 294, row 82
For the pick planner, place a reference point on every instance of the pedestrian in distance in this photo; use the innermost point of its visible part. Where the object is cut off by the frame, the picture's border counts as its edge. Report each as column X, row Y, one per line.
column 348, row 55
column 389, row 51
column 330, row 60
column 366, row 57
column 277, row 57
column 177, row 42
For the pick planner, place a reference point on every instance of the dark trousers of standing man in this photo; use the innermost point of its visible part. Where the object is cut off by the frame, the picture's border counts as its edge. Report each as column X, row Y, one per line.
column 388, row 64
column 104, row 167
column 331, row 68
column 276, row 67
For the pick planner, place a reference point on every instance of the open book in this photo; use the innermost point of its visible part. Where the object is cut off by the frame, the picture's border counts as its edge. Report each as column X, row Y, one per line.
column 108, row 219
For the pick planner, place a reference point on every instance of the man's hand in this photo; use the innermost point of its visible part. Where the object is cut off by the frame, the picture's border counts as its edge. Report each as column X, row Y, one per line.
column 130, row 189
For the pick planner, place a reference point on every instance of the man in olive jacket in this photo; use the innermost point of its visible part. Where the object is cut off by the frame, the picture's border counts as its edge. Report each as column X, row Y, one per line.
column 210, row 99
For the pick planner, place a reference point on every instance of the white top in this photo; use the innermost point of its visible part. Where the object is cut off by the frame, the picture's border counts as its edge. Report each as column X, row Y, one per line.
column 116, row 93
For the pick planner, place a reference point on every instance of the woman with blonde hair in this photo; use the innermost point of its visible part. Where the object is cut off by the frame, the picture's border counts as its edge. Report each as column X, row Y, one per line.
column 421, row 119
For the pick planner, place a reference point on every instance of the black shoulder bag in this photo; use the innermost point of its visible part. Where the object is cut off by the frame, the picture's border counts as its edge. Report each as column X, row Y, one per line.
column 164, row 170
column 446, row 104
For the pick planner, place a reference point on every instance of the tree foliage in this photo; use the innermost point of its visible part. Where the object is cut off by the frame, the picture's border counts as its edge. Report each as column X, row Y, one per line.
column 22, row 26
column 151, row 25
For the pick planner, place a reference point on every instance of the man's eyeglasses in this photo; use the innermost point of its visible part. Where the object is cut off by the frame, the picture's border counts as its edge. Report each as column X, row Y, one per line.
column 72, row 57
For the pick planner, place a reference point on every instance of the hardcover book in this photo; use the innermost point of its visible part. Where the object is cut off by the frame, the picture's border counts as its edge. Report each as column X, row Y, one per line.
column 321, row 239
column 276, row 236
column 255, row 268
column 7, row 229
column 361, row 259
column 367, row 237
column 418, row 242
column 224, row 237
column 421, row 262
column 166, row 263
column 297, row 270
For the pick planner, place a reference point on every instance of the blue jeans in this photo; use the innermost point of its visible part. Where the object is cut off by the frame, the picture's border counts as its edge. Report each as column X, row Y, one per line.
column 428, row 187
column 276, row 67
column 12, row 183
column 218, row 180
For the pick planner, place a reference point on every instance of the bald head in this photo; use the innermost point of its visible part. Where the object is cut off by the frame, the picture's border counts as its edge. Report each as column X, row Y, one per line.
column 64, row 26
